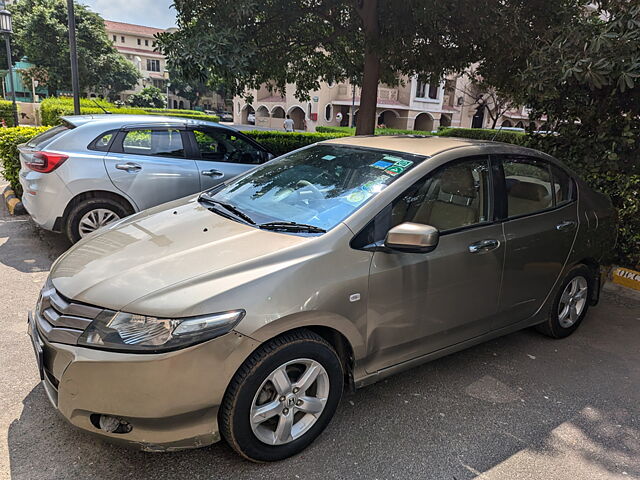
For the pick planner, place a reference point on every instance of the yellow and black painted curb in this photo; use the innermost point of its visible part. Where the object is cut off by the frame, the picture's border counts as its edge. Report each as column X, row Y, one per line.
column 14, row 205
column 626, row 277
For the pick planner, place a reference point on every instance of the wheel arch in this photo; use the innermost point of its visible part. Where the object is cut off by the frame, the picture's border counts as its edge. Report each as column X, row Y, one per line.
column 97, row 194
column 338, row 331
column 594, row 267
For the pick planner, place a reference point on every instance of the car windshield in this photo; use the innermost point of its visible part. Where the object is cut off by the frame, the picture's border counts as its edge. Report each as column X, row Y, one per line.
column 317, row 186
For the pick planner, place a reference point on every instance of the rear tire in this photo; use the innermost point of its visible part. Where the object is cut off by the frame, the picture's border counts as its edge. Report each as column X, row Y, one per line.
column 570, row 304
column 282, row 397
column 109, row 209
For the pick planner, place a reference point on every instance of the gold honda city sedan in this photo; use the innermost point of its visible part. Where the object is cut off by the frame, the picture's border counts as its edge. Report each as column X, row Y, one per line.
column 244, row 312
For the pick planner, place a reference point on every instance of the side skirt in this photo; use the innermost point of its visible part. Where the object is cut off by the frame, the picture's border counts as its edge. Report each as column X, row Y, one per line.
column 369, row 379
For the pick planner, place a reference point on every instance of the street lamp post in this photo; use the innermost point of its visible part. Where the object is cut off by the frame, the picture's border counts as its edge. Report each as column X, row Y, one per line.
column 73, row 54
column 6, row 28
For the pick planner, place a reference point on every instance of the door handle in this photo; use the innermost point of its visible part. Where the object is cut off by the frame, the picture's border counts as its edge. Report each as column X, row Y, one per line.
column 568, row 225
column 213, row 173
column 484, row 246
column 129, row 167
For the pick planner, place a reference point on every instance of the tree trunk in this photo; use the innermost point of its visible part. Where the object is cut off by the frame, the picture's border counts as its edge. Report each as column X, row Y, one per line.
column 494, row 121
column 368, row 11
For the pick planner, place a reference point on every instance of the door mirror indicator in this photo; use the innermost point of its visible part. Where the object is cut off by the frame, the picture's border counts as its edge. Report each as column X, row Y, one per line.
column 412, row 238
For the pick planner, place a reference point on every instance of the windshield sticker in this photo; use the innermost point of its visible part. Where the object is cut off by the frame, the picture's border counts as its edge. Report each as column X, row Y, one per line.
column 403, row 163
column 357, row 197
column 394, row 170
column 381, row 164
column 374, row 186
column 328, row 157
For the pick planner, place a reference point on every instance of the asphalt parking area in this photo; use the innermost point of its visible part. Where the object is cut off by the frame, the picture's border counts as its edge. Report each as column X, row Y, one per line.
column 519, row 407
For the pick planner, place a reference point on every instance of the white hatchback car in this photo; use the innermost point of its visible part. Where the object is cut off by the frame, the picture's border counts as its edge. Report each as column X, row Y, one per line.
column 93, row 170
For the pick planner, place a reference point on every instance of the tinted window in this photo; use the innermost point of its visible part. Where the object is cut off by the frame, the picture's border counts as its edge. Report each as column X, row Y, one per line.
column 225, row 147
column 103, row 142
column 528, row 185
column 159, row 143
column 563, row 186
column 320, row 185
column 47, row 136
column 453, row 197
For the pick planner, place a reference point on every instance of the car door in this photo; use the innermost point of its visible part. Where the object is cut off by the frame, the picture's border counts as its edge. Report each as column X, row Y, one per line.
column 541, row 223
column 420, row 303
column 222, row 154
column 149, row 165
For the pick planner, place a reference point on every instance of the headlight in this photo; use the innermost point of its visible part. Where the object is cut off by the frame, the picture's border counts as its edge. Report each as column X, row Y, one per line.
column 138, row 333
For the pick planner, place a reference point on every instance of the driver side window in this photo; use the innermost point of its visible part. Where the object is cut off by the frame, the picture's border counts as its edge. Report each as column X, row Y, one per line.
column 455, row 196
column 218, row 146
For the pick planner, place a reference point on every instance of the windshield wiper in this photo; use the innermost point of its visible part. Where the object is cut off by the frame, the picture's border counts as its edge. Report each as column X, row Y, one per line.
column 227, row 206
column 291, row 227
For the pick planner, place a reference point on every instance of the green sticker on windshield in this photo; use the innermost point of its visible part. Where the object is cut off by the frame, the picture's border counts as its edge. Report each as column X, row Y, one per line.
column 394, row 170
column 328, row 157
column 357, row 197
column 403, row 163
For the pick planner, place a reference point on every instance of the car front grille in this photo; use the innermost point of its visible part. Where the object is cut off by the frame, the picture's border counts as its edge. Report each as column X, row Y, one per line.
column 61, row 320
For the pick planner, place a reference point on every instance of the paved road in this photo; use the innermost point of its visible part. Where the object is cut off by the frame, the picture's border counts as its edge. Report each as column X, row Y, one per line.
column 520, row 407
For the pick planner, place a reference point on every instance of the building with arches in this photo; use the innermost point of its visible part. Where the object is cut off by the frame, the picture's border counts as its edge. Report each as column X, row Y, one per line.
column 412, row 105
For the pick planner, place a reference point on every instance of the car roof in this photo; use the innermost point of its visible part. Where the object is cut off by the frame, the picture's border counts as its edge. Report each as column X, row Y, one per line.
column 118, row 120
column 415, row 144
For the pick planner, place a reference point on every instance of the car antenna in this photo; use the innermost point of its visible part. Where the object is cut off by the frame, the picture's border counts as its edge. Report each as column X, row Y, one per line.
column 101, row 107
column 496, row 134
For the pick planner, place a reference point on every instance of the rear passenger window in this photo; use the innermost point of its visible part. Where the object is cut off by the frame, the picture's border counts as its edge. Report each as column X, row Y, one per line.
column 103, row 142
column 158, row 143
column 529, row 186
column 563, row 186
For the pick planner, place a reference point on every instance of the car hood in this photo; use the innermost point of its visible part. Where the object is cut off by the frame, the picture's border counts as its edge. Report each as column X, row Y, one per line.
column 157, row 249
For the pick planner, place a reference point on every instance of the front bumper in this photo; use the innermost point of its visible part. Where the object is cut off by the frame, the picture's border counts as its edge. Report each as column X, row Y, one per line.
column 171, row 400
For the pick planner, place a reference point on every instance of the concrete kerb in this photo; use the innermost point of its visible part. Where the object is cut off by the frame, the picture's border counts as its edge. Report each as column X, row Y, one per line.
column 14, row 205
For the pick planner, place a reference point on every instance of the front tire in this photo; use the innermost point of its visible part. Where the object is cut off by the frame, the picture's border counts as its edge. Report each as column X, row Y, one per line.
column 282, row 397
column 570, row 305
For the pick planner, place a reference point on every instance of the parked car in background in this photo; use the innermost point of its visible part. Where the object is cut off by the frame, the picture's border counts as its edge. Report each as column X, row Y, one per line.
column 251, row 118
column 225, row 116
column 93, row 170
column 243, row 312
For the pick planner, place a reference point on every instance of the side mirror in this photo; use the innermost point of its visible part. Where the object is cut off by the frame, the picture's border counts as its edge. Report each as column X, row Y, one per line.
column 412, row 238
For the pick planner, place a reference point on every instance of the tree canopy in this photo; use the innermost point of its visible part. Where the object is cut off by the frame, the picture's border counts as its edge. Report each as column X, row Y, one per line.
column 41, row 34
column 585, row 79
column 148, row 97
column 280, row 42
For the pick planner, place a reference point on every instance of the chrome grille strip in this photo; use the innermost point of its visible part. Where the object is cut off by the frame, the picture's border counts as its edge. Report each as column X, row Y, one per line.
column 57, row 320
column 60, row 320
column 59, row 335
column 73, row 309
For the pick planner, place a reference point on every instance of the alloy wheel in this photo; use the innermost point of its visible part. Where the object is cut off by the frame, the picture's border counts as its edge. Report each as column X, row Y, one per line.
column 95, row 219
column 289, row 402
column 573, row 301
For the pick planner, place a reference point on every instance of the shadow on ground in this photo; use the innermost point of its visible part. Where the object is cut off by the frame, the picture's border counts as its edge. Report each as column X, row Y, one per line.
column 27, row 248
column 571, row 406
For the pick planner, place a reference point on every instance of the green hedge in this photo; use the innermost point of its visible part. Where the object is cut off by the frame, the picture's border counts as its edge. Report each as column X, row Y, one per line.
column 6, row 112
column 283, row 142
column 10, row 138
column 379, row 131
column 507, row 136
column 54, row 108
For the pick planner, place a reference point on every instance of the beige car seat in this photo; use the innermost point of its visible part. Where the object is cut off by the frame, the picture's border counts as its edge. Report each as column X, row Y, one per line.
column 453, row 202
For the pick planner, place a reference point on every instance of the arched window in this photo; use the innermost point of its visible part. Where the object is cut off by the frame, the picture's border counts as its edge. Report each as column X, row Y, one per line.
column 328, row 112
